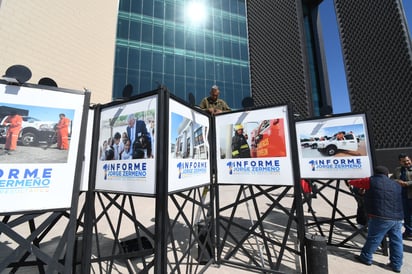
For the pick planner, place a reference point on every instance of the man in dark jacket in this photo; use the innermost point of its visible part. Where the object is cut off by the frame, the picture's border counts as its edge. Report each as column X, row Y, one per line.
column 403, row 175
column 141, row 143
column 383, row 201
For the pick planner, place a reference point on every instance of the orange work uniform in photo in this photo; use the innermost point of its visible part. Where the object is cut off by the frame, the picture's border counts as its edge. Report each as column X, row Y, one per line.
column 14, row 122
column 63, row 133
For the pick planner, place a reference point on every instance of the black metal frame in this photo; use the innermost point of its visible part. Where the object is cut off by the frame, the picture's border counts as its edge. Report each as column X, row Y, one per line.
column 42, row 223
column 274, row 261
column 327, row 227
column 336, row 186
column 294, row 216
column 166, row 227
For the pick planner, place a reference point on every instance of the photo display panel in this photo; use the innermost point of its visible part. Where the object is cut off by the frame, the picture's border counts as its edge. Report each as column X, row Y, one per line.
column 253, row 147
column 84, row 182
column 334, row 147
column 127, row 142
column 189, row 155
column 39, row 141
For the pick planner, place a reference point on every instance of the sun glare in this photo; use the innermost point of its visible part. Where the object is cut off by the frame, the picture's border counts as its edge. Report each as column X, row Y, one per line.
column 196, row 12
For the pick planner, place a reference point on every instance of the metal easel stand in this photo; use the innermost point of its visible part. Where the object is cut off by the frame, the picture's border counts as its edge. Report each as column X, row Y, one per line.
column 273, row 230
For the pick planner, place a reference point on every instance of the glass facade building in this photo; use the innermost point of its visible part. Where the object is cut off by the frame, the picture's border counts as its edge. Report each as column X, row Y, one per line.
column 160, row 43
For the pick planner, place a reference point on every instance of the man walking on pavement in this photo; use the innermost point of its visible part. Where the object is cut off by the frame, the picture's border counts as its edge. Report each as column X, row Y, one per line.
column 384, row 207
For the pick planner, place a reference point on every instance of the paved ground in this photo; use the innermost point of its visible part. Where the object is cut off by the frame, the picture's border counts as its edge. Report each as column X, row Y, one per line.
column 41, row 153
column 339, row 259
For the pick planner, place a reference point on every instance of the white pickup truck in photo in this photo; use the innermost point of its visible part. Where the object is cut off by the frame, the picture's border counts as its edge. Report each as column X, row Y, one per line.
column 330, row 147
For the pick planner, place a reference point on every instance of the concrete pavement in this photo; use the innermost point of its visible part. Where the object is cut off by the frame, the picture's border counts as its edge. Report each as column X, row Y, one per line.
column 340, row 259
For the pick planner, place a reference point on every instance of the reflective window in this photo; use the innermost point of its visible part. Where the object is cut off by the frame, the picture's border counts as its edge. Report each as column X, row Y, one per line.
column 190, row 67
column 227, row 48
column 146, row 82
column 235, row 50
column 169, row 11
column 210, row 71
column 124, row 5
column 234, row 25
column 169, row 64
column 226, row 25
column 122, row 29
column 119, row 82
column 228, row 73
column 146, row 60
column 200, row 44
column 179, row 65
column 169, row 38
column 226, row 5
column 217, row 25
column 148, row 8
column 158, row 78
column 208, row 45
column 157, row 35
column 237, row 75
column 169, row 81
column 200, row 67
column 244, row 53
column 147, row 34
column 135, row 30
column 180, row 83
column 159, row 9
column 245, row 75
column 156, row 44
column 136, row 6
column 190, row 41
column 179, row 39
column 132, row 79
column 134, row 58
column 121, row 57
column 157, row 62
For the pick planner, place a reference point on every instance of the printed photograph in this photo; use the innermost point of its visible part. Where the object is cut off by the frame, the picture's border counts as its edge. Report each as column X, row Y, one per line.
column 253, row 139
column 337, row 141
column 33, row 134
column 188, row 139
column 125, row 136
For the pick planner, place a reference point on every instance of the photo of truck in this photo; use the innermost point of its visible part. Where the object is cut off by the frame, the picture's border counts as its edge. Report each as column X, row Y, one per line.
column 268, row 139
column 339, row 137
column 33, row 131
column 340, row 141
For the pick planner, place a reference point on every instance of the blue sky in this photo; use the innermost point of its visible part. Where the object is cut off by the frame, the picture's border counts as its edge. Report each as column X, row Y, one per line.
column 337, row 78
column 43, row 113
column 176, row 121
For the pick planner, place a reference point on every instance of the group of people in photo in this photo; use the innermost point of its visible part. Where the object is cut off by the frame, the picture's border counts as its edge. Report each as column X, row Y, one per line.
column 14, row 125
column 136, row 142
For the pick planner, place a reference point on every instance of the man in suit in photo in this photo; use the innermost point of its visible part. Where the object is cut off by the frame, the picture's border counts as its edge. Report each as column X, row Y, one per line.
column 139, row 137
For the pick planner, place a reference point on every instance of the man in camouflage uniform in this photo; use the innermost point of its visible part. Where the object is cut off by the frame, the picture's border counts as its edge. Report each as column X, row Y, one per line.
column 212, row 103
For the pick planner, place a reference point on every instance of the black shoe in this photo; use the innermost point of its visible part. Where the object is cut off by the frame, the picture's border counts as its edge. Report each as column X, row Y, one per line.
column 389, row 266
column 406, row 236
column 359, row 259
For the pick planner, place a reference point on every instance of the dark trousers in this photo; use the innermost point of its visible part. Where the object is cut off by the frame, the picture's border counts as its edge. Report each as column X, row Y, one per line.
column 407, row 213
